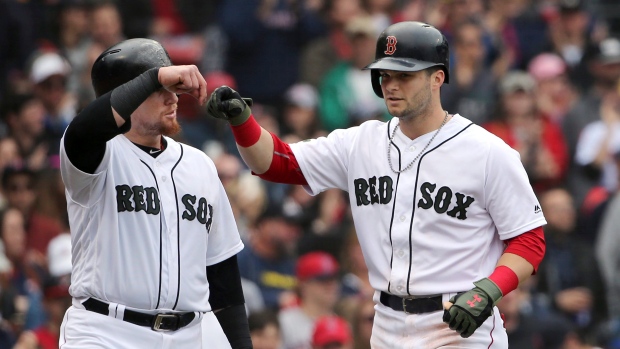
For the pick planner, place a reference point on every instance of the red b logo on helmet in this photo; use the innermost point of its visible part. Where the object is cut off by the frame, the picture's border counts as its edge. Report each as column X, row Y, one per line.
column 390, row 45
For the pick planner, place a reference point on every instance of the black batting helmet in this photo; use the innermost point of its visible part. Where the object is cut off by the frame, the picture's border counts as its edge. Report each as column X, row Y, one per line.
column 125, row 61
column 409, row 46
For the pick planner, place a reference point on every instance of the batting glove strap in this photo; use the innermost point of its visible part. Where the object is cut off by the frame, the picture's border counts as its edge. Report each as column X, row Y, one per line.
column 471, row 309
column 226, row 103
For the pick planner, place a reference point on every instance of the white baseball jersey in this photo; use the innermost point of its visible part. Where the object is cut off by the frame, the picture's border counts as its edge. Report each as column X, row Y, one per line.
column 438, row 226
column 144, row 229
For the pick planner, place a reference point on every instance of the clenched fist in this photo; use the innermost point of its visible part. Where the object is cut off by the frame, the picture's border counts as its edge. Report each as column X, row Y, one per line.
column 226, row 103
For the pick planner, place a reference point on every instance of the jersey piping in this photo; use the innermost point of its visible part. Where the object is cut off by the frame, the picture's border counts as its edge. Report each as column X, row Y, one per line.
column 414, row 200
column 176, row 198
column 160, row 236
column 394, row 203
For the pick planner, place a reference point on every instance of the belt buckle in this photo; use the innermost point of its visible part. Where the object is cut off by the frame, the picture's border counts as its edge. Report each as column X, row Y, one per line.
column 404, row 301
column 160, row 318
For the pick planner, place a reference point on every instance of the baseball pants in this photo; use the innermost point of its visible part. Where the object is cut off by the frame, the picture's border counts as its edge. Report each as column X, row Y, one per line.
column 83, row 329
column 395, row 329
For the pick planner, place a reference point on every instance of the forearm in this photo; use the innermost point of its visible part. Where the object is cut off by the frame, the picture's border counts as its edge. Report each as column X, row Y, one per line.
column 520, row 259
column 521, row 267
column 258, row 156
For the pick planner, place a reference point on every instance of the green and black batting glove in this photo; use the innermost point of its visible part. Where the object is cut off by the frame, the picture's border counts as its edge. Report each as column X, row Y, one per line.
column 472, row 308
column 226, row 103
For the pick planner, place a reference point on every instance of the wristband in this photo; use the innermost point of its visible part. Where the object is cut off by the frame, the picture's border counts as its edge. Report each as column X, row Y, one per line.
column 505, row 279
column 126, row 98
column 248, row 133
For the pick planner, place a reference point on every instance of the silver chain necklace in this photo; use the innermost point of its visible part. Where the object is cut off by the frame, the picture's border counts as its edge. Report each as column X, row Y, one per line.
column 417, row 157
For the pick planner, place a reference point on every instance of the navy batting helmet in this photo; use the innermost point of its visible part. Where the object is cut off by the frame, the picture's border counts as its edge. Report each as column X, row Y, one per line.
column 409, row 46
column 125, row 61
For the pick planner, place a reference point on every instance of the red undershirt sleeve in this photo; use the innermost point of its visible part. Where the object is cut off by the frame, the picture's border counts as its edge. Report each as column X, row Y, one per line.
column 284, row 167
column 531, row 247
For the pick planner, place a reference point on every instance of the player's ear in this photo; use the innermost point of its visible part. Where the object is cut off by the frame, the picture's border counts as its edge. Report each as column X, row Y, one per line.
column 438, row 78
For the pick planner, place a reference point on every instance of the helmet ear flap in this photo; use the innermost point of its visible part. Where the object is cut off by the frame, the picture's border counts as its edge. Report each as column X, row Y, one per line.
column 375, row 77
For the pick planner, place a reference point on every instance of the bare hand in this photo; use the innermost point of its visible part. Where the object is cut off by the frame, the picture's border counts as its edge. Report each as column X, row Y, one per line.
column 573, row 300
column 184, row 79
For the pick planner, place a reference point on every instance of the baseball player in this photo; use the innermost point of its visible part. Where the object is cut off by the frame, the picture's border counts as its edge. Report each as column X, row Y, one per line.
column 445, row 215
column 153, row 234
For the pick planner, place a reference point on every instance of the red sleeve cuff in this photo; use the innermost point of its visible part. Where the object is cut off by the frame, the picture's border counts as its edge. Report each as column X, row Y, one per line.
column 529, row 245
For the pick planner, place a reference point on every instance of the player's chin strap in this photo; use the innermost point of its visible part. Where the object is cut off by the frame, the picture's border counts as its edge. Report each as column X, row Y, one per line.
column 234, row 322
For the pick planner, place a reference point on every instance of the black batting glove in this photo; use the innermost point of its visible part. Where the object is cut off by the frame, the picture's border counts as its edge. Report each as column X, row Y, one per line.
column 226, row 103
column 472, row 308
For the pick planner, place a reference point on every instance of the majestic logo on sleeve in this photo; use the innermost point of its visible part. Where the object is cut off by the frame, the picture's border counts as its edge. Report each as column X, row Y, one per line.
column 137, row 198
column 371, row 191
column 197, row 209
column 390, row 45
column 442, row 200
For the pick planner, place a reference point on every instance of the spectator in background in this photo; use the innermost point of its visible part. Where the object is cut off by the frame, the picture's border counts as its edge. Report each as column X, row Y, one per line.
column 572, row 31
column 531, row 29
column 9, row 157
column 363, row 319
column 355, row 282
column 267, row 259
column 25, row 117
column 331, row 332
column 599, row 140
column 146, row 18
column 19, row 187
column 56, row 301
column 56, row 297
column 25, row 309
column 322, row 54
column 607, row 244
column 7, row 300
column 105, row 29
column 300, row 119
column 501, row 39
column 265, row 330
column 51, row 200
column 346, row 94
column 380, row 11
column 327, row 222
column 266, row 38
column 48, row 74
column 73, row 39
column 318, row 289
column 570, row 274
column 527, row 329
column 539, row 141
column 554, row 93
column 604, row 67
column 246, row 193
column 22, row 24
column 472, row 86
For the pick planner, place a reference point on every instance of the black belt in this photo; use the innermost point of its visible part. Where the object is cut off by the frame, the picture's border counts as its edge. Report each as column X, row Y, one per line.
column 157, row 322
column 412, row 305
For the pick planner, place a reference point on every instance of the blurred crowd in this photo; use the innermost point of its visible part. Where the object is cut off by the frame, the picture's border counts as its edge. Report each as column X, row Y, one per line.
column 543, row 75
